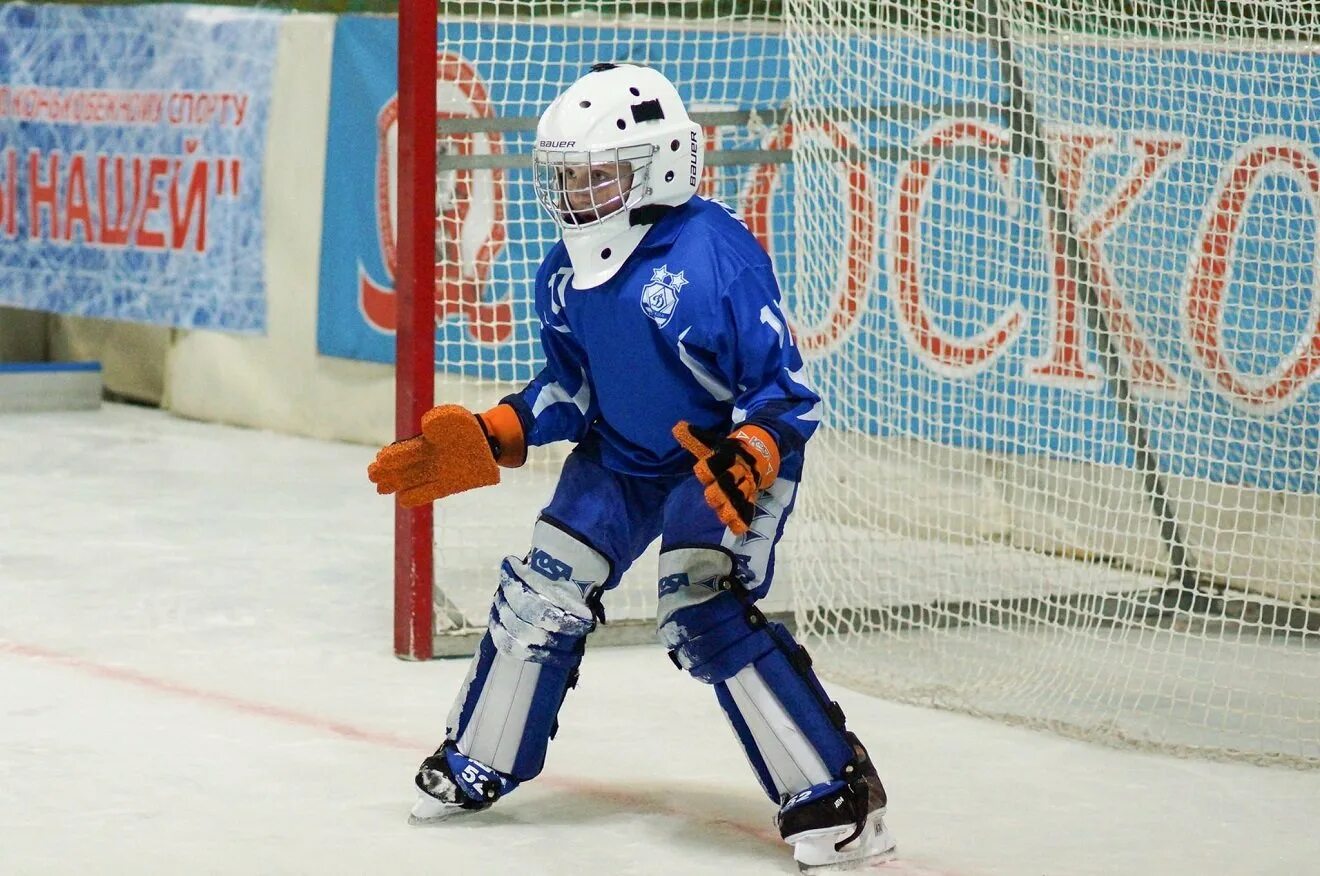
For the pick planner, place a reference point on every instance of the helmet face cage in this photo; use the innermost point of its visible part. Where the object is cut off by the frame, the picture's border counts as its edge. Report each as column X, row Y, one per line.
column 584, row 188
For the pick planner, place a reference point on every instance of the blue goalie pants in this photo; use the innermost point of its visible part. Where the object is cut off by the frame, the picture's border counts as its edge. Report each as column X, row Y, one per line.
column 709, row 581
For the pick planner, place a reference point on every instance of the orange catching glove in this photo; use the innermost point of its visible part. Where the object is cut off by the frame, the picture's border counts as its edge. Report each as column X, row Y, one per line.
column 733, row 468
column 456, row 451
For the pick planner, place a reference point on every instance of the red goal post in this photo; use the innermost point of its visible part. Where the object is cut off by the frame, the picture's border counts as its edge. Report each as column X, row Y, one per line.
column 414, row 559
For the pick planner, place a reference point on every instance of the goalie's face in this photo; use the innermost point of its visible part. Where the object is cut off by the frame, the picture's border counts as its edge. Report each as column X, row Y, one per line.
column 594, row 191
column 583, row 188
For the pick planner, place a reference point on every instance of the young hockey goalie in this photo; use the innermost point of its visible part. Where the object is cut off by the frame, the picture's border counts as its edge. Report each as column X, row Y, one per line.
column 671, row 367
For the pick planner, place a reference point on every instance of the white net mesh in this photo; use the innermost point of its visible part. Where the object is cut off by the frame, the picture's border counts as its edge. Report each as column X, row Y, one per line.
column 1054, row 269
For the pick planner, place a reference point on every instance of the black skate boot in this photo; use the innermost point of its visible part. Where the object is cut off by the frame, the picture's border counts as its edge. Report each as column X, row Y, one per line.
column 839, row 827
column 441, row 796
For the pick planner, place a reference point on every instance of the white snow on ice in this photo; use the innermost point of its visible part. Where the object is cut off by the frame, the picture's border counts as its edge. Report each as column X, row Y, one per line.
column 196, row 676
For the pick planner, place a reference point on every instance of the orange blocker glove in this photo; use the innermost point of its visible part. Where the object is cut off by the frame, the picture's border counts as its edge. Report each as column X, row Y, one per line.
column 733, row 468
column 456, row 451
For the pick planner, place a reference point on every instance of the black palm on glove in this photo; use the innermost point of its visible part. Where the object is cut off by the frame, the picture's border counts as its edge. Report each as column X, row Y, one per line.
column 734, row 468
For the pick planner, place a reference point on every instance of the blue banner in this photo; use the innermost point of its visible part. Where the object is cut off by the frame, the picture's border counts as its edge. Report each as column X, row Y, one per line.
column 131, row 149
column 927, row 288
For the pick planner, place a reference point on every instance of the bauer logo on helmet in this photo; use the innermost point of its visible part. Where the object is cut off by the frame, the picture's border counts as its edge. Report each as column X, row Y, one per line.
column 695, row 164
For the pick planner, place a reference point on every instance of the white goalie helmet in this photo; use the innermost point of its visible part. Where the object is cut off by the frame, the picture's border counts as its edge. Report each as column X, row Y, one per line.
column 613, row 152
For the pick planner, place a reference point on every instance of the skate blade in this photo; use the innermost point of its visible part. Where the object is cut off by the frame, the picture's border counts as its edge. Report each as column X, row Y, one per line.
column 863, row 863
column 432, row 820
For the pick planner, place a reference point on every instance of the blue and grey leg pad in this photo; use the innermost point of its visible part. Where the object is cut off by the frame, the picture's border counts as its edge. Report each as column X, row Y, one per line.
column 792, row 732
column 505, row 713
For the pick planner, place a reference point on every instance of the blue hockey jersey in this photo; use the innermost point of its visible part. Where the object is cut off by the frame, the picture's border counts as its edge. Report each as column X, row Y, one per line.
column 690, row 328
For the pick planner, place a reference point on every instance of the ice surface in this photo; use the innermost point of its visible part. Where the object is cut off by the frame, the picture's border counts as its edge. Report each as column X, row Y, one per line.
column 196, row 676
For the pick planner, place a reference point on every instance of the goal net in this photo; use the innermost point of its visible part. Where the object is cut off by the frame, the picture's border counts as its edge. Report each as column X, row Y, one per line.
column 1053, row 267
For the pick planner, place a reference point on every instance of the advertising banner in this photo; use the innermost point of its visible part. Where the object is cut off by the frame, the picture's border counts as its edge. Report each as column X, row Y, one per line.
column 131, row 146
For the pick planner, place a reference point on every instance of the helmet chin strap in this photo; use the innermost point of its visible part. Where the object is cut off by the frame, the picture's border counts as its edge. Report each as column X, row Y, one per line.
column 648, row 214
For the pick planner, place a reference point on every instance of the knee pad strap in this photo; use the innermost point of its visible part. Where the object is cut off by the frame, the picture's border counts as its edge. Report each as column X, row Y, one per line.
column 717, row 638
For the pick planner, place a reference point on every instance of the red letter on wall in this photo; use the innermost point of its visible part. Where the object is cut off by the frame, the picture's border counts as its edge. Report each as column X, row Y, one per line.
column 1064, row 360
column 1212, row 268
column 960, row 357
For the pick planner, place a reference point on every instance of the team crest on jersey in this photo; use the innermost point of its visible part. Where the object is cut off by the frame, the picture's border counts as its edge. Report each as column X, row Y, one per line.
column 660, row 296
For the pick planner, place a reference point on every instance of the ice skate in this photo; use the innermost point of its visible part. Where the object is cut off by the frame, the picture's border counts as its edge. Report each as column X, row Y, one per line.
column 815, row 851
column 440, row 796
column 840, row 827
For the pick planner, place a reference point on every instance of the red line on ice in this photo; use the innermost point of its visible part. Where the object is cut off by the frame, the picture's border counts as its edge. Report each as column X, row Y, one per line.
column 184, row 691
column 389, row 740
